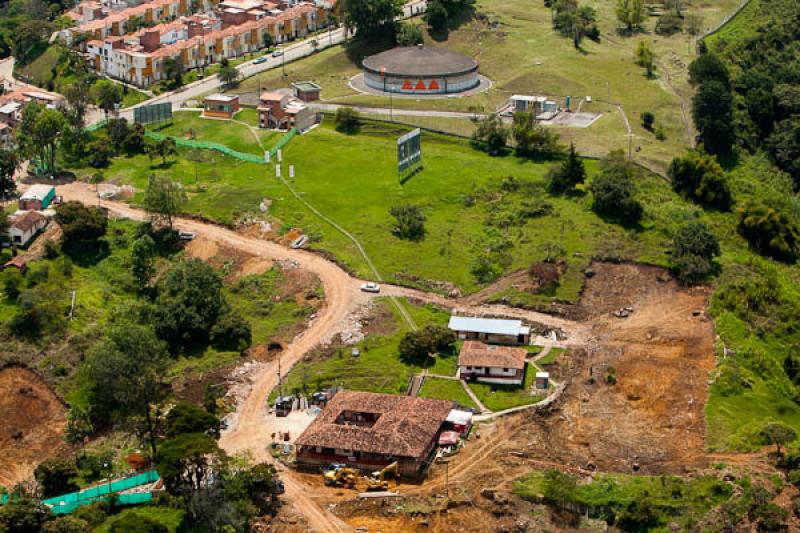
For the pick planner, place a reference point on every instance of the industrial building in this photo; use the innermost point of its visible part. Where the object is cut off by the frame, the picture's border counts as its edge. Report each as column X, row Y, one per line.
column 501, row 365
column 367, row 430
column 420, row 70
column 491, row 330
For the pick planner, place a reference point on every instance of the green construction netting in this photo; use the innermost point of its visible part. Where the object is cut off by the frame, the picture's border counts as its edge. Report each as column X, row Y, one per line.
column 205, row 145
column 67, row 503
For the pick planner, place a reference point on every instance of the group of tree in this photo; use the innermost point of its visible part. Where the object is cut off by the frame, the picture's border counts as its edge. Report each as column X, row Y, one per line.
column 760, row 92
column 408, row 34
column 438, row 13
column 419, row 345
column 490, row 134
column 532, row 139
column 574, row 21
column 699, row 176
column 693, row 251
column 712, row 104
column 614, row 190
column 630, row 13
column 371, row 19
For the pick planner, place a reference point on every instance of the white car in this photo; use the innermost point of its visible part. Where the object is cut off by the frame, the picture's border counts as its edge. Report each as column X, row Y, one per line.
column 371, row 287
column 187, row 235
column 277, row 52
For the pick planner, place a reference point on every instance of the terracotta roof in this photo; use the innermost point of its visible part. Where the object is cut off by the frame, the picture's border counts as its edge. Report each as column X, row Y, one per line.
column 405, row 425
column 27, row 221
column 474, row 353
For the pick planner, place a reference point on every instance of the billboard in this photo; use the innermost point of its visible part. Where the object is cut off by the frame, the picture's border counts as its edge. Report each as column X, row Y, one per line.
column 409, row 150
column 147, row 114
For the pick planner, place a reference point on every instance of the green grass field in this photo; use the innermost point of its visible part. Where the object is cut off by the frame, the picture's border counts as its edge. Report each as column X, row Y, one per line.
column 521, row 53
column 378, row 368
column 234, row 134
column 551, row 356
column 500, row 397
column 446, row 389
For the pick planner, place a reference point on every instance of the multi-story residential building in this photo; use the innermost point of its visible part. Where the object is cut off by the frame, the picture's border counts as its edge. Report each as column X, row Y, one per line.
column 198, row 41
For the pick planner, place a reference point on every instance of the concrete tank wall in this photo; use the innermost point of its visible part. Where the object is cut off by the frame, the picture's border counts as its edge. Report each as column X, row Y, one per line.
column 422, row 85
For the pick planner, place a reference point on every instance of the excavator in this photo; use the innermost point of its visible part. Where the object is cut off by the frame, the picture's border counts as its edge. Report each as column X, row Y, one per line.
column 341, row 476
column 377, row 480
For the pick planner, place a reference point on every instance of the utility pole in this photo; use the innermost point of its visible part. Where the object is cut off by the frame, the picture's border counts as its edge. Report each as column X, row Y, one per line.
column 608, row 89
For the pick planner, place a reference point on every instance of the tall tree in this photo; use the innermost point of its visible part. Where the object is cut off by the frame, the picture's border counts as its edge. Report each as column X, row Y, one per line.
column 712, row 112
column 78, row 99
column 630, row 13
column 143, row 260
column 9, row 163
column 125, row 372
column 107, row 95
column 571, row 172
column 645, row 58
column 164, row 198
column 39, row 135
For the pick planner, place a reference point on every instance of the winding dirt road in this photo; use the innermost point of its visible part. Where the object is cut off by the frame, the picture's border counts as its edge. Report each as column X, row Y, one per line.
column 247, row 432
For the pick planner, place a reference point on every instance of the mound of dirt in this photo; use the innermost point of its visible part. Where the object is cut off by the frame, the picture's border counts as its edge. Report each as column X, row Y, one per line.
column 33, row 422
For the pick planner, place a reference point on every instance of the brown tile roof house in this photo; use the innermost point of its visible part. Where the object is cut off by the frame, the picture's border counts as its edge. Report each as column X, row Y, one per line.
column 367, row 430
column 492, row 364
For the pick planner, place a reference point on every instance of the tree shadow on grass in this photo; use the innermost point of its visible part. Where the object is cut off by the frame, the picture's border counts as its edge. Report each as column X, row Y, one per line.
column 85, row 255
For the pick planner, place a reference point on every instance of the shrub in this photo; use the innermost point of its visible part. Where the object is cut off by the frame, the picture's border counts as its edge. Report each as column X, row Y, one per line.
column 614, row 190
column 347, row 120
column 648, row 119
column 410, row 222
column 232, row 333
column 669, row 24
column 770, row 232
column 408, row 35
column 700, row 177
column 490, row 135
column 56, row 477
column 693, row 251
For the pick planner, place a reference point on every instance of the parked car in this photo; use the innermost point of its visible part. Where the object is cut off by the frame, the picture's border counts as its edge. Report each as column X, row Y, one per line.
column 187, row 235
column 299, row 242
column 371, row 287
column 277, row 52
column 262, row 59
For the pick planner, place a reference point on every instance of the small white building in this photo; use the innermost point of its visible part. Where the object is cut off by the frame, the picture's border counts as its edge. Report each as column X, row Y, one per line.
column 502, row 365
column 491, row 330
column 25, row 227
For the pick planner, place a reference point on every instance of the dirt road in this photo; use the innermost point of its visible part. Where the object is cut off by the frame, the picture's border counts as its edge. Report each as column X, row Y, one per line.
column 248, row 432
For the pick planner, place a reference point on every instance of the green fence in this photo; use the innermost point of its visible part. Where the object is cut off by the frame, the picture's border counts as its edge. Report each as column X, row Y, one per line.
column 205, row 145
column 67, row 503
column 283, row 141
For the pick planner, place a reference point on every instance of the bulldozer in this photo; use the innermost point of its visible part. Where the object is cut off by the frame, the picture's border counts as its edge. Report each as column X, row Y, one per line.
column 377, row 480
column 341, row 477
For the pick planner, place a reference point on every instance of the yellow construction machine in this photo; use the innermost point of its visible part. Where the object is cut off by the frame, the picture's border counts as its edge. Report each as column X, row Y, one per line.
column 377, row 480
column 341, row 477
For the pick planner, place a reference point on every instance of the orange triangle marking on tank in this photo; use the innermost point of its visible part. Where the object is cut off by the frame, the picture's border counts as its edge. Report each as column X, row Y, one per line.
column 407, row 85
column 433, row 86
column 420, row 86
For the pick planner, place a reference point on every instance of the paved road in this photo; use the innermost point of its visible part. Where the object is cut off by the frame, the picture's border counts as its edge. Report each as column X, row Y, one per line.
column 399, row 112
column 291, row 53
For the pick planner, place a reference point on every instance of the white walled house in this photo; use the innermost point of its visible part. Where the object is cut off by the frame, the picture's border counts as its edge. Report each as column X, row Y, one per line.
column 501, row 365
column 25, row 227
column 491, row 330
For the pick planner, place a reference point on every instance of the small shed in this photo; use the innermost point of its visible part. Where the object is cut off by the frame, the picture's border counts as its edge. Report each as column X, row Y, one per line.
column 220, row 106
column 542, row 380
column 25, row 227
column 37, row 197
column 459, row 421
column 491, row 330
column 521, row 103
column 307, row 91
column 449, row 438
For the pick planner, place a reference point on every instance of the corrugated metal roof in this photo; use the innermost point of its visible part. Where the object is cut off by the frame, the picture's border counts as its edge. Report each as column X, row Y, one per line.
column 492, row 326
column 37, row 192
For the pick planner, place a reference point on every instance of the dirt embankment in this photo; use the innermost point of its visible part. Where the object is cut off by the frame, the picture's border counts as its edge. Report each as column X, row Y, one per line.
column 33, row 422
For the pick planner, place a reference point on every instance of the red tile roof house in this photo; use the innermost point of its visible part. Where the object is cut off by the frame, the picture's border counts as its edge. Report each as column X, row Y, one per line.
column 368, row 430
column 502, row 365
